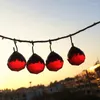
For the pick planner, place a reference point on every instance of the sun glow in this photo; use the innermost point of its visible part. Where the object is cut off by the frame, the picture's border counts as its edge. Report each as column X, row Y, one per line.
column 93, row 67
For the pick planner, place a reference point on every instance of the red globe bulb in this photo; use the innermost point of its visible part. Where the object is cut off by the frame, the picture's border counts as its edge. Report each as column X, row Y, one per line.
column 16, row 61
column 35, row 64
column 54, row 62
column 76, row 56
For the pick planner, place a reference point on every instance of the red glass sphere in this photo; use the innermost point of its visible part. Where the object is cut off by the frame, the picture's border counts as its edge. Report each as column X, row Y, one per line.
column 16, row 61
column 54, row 62
column 35, row 64
column 76, row 56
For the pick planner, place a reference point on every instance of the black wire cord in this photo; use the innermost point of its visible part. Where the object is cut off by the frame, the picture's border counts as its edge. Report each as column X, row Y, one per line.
column 50, row 40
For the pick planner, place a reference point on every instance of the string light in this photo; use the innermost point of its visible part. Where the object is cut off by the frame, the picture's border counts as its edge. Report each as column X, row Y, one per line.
column 54, row 62
column 16, row 61
column 75, row 55
column 35, row 64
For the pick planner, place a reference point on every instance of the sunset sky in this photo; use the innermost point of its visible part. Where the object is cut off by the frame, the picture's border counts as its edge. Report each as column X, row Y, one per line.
column 43, row 20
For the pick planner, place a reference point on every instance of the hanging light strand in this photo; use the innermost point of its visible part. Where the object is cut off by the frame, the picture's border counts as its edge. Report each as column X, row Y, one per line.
column 15, row 42
column 54, row 62
column 32, row 47
column 43, row 41
column 50, row 45
column 71, row 40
